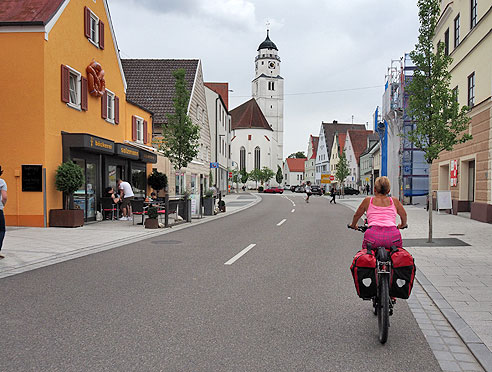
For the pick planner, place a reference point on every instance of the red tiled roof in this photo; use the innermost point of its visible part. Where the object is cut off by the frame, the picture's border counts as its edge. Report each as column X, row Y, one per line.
column 296, row 165
column 358, row 139
column 28, row 12
column 249, row 115
column 341, row 141
column 331, row 128
column 151, row 83
column 314, row 141
column 222, row 89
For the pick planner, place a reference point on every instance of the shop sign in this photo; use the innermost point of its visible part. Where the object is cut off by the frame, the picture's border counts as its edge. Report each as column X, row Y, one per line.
column 127, row 151
column 32, row 177
column 453, row 173
column 148, row 157
column 88, row 142
column 98, row 143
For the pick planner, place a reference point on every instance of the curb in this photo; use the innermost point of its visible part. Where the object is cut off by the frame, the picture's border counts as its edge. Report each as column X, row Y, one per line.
column 474, row 343
column 81, row 252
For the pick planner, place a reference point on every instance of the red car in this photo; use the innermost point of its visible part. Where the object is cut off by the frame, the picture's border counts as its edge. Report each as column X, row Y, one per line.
column 274, row 190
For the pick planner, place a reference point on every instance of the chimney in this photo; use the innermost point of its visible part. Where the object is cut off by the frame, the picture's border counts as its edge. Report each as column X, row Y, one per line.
column 335, row 122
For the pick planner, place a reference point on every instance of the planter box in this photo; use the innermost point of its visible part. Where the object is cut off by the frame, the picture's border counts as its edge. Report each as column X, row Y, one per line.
column 151, row 223
column 208, row 206
column 66, row 217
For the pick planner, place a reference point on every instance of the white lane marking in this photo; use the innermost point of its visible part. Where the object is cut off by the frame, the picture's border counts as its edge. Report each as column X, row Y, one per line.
column 239, row 255
column 281, row 222
column 292, row 211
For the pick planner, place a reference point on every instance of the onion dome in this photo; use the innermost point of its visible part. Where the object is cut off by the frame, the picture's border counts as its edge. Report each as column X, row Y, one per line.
column 267, row 44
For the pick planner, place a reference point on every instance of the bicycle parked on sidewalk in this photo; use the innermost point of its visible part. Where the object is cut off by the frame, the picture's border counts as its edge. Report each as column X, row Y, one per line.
column 380, row 279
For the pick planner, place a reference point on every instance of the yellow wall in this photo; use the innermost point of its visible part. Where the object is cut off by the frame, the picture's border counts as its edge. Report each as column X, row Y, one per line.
column 30, row 100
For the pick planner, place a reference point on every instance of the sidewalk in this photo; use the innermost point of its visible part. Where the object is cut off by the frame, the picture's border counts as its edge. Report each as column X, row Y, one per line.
column 457, row 278
column 29, row 248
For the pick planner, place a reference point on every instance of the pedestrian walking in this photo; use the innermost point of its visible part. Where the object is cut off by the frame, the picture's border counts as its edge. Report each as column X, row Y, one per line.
column 332, row 194
column 308, row 190
column 3, row 201
column 127, row 195
column 367, row 189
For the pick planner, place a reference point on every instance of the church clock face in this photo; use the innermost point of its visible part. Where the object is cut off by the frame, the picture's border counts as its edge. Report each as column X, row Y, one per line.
column 271, row 64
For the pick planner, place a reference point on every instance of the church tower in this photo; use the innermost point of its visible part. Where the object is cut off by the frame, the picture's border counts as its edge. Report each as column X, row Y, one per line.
column 268, row 90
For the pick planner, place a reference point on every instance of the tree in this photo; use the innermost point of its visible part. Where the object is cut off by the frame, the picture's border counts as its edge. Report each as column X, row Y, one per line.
column 157, row 180
column 255, row 175
column 280, row 175
column 180, row 136
column 440, row 123
column 69, row 178
column 244, row 176
column 297, row 155
column 266, row 175
column 343, row 170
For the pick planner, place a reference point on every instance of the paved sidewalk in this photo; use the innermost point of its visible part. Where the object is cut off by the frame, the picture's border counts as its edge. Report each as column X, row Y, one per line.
column 29, row 248
column 457, row 278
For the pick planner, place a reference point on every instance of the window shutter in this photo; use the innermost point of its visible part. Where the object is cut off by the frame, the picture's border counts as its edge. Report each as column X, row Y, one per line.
column 145, row 135
column 83, row 95
column 116, row 110
column 101, row 34
column 65, row 82
column 87, row 22
column 104, row 105
column 134, row 128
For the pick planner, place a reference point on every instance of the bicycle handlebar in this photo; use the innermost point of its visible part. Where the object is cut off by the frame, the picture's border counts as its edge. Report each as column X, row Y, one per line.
column 363, row 228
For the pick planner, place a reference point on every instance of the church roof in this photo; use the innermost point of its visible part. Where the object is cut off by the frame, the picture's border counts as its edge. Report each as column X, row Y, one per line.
column 249, row 115
column 267, row 44
column 296, row 165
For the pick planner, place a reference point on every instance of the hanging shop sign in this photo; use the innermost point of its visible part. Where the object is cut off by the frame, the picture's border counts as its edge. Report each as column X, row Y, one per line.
column 453, row 173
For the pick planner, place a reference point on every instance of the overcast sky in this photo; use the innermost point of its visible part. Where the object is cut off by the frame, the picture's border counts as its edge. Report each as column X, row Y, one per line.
column 337, row 47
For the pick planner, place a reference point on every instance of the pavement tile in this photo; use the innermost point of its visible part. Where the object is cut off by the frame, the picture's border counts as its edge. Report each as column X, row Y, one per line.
column 447, row 365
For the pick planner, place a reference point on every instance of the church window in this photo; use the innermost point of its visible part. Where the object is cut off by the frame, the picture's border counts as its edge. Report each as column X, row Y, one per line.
column 257, row 157
column 262, row 62
column 242, row 158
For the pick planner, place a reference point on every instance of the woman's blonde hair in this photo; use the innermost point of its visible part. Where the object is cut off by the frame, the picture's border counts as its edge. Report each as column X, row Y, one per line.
column 382, row 185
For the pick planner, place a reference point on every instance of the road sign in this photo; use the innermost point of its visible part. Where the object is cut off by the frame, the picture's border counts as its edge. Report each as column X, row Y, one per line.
column 230, row 174
column 332, row 178
column 214, row 165
column 325, row 178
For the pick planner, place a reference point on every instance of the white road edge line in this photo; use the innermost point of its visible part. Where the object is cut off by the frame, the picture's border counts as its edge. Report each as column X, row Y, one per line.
column 292, row 211
column 239, row 255
column 281, row 222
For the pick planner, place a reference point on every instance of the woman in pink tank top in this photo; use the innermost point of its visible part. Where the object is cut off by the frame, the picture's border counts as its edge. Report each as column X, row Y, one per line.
column 381, row 213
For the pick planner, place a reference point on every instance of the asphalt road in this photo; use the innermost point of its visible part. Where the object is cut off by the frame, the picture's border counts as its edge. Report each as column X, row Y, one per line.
column 172, row 304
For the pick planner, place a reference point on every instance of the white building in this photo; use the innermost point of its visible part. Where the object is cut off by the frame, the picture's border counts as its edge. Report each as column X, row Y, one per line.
column 294, row 171
column 310, row 169
column 268, row 90
column 355, row 144
column 220, row 132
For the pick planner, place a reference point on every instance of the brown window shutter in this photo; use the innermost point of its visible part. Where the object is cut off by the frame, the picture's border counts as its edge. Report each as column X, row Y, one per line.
column 134, row 128
column 101, row 34
column 145, row 135
column 65, row 84
column 104, row 105
column 87, row 22
column 116, row 110
column 83, row 96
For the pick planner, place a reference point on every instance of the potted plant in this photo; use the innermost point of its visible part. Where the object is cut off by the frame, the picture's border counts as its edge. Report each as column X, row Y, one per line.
column 157, row 180
column 69, row 178
column 152, row 222
column 208, row 203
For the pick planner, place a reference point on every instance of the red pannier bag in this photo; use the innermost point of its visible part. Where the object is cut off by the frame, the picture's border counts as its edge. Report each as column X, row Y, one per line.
column 402, row 273
column 363, row 270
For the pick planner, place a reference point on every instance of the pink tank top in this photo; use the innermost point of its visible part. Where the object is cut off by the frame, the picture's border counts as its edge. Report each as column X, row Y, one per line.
column 381, row 216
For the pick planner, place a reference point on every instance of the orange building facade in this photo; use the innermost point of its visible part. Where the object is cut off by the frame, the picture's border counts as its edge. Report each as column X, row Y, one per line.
column 48, row 114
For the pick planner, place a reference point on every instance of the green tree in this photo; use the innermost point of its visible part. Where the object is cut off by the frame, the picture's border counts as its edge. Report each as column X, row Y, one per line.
column 244, row 176
column 266, row 175
column 180, row 136
column 157, row 180
column 255, row 175
column 440, row 123
column 342, row 170
column 280, row 175
column 298, row 155
column 69, row 177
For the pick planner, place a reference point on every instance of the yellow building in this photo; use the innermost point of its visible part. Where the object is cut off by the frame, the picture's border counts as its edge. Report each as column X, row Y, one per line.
column 464, row 26
column 51, row 110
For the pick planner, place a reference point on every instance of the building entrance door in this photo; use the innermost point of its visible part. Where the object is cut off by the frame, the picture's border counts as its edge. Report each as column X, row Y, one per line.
column 85, row 197
column 471, row 181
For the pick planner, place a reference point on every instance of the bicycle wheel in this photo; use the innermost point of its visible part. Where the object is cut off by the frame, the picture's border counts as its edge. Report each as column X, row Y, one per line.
column 383, row 308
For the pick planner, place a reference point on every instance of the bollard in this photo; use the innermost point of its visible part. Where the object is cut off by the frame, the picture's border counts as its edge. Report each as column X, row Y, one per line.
column 166, row 215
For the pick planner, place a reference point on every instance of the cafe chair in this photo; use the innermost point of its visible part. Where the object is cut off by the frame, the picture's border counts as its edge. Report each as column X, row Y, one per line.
column 107, row 206
column 138, row 209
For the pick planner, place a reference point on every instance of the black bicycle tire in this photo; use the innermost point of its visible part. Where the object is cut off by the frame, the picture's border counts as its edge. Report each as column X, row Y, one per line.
column 383, row 313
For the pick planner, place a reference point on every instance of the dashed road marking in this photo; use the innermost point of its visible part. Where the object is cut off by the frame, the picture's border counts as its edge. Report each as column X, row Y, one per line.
column 292, row 211
column 281, row 222
column 239, row 255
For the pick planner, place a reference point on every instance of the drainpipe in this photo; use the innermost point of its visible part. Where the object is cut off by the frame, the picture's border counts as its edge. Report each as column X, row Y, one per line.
column 216, row 142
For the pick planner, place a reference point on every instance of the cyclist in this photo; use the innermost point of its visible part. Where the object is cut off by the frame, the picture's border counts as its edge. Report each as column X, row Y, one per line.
column 381, row 211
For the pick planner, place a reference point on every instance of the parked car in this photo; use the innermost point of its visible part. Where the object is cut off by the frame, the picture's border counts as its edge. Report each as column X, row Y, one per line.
column 316, row 190
column 299, row 189
column 350, row 191
column 274, row 190
column 293, row 188
column 287, row 187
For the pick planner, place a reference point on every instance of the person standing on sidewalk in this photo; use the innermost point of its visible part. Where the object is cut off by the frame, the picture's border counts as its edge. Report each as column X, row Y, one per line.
column 3, row 201
column 127, row 195
column 332, row 194
column 308, row 190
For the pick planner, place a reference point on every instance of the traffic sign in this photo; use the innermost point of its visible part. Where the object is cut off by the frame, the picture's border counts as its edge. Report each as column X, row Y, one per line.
column 325, row 178
column 230, row 174
column 332, row 178
column 214, row 165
